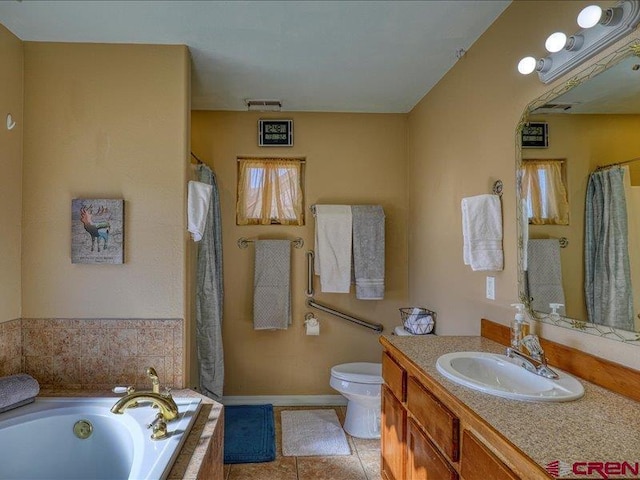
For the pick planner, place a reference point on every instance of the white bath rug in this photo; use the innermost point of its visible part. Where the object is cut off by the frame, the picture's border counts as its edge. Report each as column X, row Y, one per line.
column 308, row 433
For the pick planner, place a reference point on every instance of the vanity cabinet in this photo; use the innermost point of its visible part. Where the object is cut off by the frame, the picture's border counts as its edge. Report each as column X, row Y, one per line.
column 427, row 435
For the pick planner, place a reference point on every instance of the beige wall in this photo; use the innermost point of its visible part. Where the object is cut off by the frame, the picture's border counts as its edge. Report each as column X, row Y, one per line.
column 584, row 142
column 11, row 59
column 351, row 159
column 105, row 121
column 461, row 139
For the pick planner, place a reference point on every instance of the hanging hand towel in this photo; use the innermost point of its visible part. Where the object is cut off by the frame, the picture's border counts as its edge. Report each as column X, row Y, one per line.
column 482, row 232
column 368, row 251
column 272, row 285
column 198, row 199
column 333, row 247
column 544, row 274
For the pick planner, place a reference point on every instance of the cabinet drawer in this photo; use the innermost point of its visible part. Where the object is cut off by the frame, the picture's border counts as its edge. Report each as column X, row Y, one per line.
column 423, row 460
column 394, row 376
column 477, row 462
column 441, row 425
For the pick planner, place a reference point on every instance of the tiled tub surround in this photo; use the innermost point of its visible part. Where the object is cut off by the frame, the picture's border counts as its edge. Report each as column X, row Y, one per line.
column 10, row 347
column 96, row 354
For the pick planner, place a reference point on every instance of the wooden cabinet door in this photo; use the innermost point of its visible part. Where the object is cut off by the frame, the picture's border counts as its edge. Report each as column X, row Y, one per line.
column 477, row 462
column 423, row 460
column 393, row 436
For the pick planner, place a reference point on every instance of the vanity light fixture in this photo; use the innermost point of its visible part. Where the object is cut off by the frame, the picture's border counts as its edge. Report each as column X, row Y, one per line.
column 263, row 105
column 599, row 29
column 555, row 42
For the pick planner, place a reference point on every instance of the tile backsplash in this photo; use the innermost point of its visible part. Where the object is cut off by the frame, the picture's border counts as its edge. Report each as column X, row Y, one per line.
column 10, row 347
column 97, row 353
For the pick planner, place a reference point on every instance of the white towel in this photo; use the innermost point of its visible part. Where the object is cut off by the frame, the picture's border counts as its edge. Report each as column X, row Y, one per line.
column 482, row 232
column 333, row 247
column 198, row 199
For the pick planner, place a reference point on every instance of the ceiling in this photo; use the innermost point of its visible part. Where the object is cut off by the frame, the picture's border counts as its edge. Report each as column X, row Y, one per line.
column 338, row 56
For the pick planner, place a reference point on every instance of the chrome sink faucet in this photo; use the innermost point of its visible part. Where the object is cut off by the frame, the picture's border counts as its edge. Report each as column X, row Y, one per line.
column 168, row 410
column 535, row 362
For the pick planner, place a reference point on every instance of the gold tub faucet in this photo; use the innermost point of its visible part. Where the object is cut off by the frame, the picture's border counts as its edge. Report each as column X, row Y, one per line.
column 168, row 410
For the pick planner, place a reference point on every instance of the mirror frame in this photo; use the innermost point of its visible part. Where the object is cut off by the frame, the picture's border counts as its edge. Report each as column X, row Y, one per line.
column 632, row 338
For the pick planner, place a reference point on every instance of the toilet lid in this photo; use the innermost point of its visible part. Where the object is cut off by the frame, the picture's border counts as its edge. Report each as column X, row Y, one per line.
column 360, row 372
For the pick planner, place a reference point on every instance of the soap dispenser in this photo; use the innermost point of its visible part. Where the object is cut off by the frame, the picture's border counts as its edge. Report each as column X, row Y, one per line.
column 554, row 315
column 519, row 326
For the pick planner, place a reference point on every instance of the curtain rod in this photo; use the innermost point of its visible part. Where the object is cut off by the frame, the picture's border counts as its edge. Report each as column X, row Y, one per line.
column 197, row 159
column 617, row 164
column 288, row 159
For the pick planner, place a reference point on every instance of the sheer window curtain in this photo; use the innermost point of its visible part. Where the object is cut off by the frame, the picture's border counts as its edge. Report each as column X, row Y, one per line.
column 269, row 191
column 545, row 192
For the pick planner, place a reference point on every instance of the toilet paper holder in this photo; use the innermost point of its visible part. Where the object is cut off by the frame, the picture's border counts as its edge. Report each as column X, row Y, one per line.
column 310, row 320
column 312, row 325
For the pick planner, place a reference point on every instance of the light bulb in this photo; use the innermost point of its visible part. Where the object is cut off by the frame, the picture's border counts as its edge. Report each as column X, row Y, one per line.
column 527, row 65
column 589, row 16
column 555, row 42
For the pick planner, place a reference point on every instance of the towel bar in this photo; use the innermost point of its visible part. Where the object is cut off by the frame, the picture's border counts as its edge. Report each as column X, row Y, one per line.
column 244, row 242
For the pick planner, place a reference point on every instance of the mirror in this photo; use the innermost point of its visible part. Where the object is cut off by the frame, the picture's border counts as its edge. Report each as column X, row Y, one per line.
column 592, row 122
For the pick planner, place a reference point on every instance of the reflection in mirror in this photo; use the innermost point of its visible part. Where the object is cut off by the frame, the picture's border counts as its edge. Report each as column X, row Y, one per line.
column 585, row 187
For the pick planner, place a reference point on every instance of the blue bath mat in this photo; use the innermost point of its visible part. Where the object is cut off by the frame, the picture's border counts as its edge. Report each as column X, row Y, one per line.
column 249, row 434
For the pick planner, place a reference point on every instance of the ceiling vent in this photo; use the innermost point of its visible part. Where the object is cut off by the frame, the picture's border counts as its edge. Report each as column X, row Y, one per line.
column 263, row 105
column 553, row 108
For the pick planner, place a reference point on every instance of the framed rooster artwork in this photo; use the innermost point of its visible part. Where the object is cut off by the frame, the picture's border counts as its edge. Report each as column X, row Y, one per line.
column 97, row 231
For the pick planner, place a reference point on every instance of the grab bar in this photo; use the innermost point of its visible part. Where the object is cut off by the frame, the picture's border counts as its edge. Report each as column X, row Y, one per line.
column 309, row 291
column 373, row 326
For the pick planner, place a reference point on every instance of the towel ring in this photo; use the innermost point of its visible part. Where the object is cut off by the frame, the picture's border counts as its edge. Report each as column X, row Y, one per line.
column 497, row 188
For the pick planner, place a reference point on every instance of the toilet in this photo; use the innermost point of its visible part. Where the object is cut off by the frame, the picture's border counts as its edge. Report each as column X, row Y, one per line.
column 361, row 384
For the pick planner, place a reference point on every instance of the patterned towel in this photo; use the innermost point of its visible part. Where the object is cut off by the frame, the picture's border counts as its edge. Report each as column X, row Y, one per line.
column 368, row 251
column 272, row 285
column 544, row 274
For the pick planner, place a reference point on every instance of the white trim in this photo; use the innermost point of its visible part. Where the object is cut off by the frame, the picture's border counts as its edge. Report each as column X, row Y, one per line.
column 285, row 400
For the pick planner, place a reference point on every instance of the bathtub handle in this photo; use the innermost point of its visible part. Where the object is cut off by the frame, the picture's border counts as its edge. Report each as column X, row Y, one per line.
column 159, row 428
column 119, row 389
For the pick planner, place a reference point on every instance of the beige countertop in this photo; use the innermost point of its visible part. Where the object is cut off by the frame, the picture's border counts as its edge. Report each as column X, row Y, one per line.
column 201, row 453
column 602, row 426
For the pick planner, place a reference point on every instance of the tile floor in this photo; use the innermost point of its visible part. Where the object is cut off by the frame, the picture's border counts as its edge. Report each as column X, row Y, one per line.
column 362, row 464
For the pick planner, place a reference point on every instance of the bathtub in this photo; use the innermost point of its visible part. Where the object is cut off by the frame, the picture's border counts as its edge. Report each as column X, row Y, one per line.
column 37, row 441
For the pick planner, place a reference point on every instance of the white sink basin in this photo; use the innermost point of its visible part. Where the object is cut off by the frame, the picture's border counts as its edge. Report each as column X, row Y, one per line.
column 502, row 376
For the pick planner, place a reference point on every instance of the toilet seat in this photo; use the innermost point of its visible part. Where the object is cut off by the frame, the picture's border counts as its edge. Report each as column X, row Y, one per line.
column 359, row 372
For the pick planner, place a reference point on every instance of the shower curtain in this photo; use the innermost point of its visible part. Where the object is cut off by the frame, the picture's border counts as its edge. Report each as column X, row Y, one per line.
column 209, row 295
column 607, row 272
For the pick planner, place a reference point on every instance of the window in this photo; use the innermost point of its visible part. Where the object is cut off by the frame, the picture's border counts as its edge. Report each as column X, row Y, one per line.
column 270, row 191
column 543, row 186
